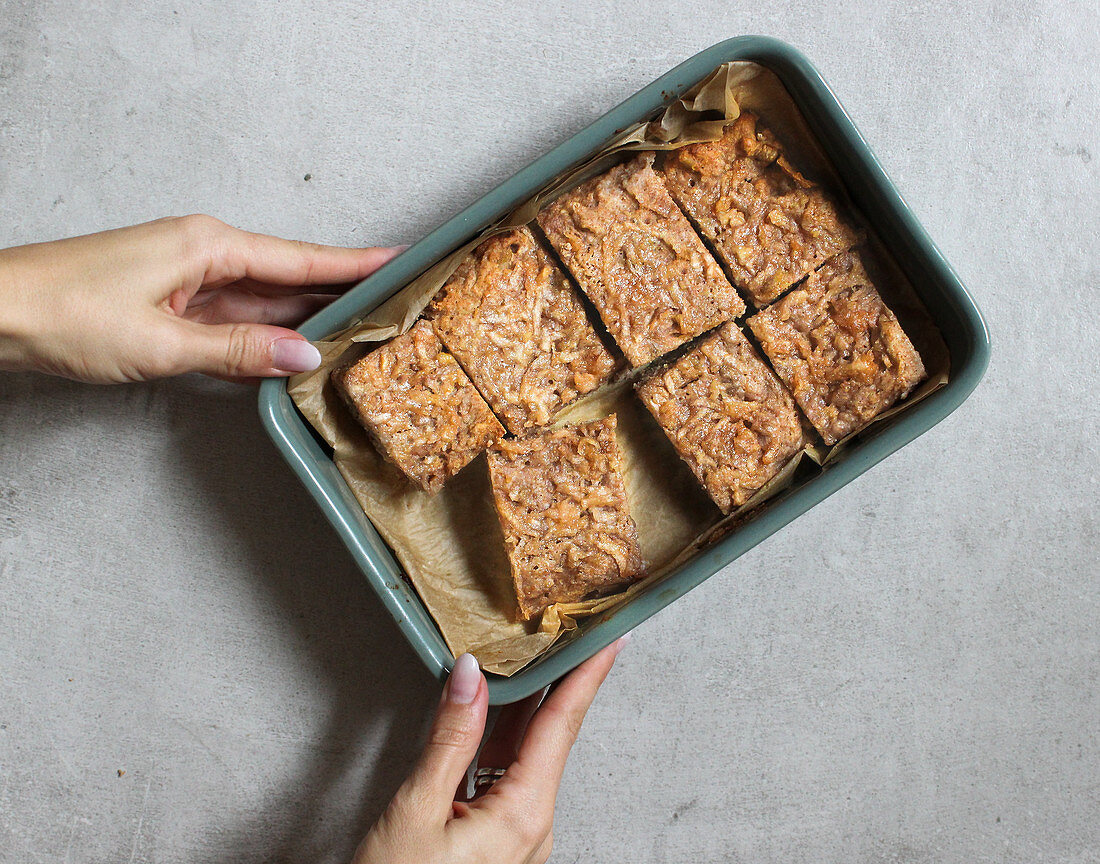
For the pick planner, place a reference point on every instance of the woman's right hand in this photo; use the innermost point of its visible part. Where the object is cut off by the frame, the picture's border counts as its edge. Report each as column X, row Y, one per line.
column 512, row 822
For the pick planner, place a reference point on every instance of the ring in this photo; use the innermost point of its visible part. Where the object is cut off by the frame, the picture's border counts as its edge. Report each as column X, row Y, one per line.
column 486, row 777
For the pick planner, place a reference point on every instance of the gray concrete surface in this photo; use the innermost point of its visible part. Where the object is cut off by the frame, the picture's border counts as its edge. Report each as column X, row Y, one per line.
column 907, row 673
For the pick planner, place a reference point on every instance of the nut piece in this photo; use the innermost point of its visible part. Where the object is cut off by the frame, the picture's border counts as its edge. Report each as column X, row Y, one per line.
column 839, row 348
column 512, row 319
column 562, row 505
column 419, row 407
column 728, row 416
column 769, row 224
column 638, row 259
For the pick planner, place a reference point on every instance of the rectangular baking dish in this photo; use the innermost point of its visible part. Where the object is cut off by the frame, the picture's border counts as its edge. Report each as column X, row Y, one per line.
column 871, row 191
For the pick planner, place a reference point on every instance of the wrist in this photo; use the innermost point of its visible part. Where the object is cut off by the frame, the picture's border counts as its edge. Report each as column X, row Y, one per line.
column 17, row 329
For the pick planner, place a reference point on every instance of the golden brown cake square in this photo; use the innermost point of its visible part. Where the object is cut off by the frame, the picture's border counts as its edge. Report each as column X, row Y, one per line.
column 636, row 256
column 561, row 499
column 728, row 416
column 769, row 224
column 839, row 349
column 513, row 320
column 419, row 407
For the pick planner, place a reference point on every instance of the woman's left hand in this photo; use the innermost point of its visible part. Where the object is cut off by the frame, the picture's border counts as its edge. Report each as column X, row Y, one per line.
column 188, row 294
column 512, row 822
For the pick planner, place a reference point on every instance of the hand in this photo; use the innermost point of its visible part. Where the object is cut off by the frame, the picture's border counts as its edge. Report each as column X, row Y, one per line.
column 512, row 822
column 188, row 294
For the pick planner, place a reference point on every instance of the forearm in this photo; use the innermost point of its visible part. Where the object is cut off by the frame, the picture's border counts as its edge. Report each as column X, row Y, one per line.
column 43, row 315
column 16, row 314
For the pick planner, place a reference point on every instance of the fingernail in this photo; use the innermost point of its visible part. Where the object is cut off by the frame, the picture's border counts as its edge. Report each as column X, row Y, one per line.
column 294, row 355
column 622, row 642
column 464, row 681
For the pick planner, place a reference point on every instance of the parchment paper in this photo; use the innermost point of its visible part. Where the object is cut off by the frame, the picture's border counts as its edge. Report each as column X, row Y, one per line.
column 450, row 544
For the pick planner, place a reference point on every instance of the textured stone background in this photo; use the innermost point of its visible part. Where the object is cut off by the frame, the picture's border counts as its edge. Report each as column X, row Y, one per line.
column 907, row 673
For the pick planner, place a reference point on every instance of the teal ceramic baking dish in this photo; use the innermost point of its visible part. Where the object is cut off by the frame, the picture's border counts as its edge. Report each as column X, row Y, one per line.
column 870, row 190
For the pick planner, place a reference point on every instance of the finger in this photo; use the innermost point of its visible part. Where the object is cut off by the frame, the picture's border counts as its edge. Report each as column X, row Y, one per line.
column 555, row 726
column 502, row 746
column 241, row 350
column 452, row 743
column 230, row 305
column 296, row 262
column 213, row 254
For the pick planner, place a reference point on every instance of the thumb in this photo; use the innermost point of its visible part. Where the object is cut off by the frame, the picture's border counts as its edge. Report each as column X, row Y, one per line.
column 244, row 350
column 452, row 743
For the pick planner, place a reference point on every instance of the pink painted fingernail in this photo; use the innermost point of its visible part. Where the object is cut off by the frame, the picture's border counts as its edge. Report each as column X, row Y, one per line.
column 294, row 355
column 465, row 680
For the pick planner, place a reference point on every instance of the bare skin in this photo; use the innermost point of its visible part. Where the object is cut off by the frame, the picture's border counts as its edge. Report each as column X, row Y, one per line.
column 512, row 823
column 187, row 294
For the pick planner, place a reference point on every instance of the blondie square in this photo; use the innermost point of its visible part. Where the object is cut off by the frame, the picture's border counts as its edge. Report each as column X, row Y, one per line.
column 636, row 256
column 419, row 407
column 562, row 505
column 728, row 416
column 839, row 349
column 515, row 323
column 768, row 223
